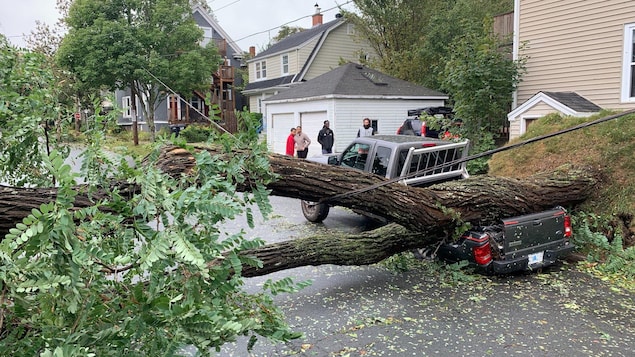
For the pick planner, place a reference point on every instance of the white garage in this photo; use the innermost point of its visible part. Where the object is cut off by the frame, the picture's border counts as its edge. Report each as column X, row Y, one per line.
column 312, row 123
column 278, row 131
column 344, row 96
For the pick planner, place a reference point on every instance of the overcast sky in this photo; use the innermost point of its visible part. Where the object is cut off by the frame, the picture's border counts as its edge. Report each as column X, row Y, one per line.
column 247, row 22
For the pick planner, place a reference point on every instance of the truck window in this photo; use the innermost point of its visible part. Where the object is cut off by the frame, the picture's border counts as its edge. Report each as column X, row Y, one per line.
column 380, row 161
column 355, row 156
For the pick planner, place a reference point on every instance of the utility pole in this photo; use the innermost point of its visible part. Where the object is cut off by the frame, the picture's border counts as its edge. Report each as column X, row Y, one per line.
column 133, row 113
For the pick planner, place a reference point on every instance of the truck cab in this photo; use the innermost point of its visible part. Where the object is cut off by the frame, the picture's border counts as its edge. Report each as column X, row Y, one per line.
column 417, row 160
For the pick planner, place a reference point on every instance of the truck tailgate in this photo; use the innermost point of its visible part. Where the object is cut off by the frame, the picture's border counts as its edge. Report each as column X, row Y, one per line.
column 534, row 233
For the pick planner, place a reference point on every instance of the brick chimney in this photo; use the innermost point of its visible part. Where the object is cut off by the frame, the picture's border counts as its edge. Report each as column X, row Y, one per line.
column 317, row 17
column 252, row 51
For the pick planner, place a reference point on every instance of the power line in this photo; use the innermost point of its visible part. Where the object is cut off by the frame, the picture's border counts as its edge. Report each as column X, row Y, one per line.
column 290, row 22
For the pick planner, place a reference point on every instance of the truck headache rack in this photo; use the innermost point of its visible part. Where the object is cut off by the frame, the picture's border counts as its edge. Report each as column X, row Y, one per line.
column 435, row 163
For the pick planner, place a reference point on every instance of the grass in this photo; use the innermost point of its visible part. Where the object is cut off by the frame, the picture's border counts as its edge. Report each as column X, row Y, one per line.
column 607, row 147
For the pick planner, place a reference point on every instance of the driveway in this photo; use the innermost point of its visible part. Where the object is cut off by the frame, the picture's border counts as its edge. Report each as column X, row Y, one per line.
column 375, row 311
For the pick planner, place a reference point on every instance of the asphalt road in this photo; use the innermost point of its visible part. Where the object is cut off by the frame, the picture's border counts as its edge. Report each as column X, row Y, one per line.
column 375, row 311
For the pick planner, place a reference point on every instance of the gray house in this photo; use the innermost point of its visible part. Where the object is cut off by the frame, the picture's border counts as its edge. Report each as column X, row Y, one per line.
column 344, row 96
column 174, row 111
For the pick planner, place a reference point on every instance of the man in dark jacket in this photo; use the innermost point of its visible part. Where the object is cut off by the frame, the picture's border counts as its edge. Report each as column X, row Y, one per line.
column 326, row 138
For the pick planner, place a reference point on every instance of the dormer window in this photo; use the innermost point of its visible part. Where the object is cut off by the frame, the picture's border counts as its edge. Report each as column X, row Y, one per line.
column 285, row 64
column 261, row 70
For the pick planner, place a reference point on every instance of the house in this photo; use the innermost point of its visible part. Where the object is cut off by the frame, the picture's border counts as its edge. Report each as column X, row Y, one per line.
column 580, row 58
column 345, row 96
column 303, row 56
column 175, row 111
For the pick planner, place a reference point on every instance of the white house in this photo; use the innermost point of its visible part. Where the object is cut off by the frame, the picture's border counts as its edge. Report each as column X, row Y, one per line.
column 345, row 96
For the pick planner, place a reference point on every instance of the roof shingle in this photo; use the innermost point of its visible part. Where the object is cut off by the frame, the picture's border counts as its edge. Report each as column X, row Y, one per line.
column 353, row 79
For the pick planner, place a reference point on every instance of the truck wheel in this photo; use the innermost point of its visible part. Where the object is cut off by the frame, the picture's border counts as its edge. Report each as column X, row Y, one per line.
column 314, row 212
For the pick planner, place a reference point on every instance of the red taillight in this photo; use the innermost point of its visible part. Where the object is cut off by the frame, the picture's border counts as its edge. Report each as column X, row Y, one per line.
column 482, row 254
column 424, row 128
column 567, row 226
column 399, row 131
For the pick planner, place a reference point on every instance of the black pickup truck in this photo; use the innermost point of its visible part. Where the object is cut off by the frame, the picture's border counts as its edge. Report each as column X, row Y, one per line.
column 518, row 243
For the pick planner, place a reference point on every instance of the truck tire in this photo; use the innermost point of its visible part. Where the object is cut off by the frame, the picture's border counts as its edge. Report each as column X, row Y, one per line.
column 313, row 212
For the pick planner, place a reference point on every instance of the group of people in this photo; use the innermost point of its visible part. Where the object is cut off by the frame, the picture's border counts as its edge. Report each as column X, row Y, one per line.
column 298, row 142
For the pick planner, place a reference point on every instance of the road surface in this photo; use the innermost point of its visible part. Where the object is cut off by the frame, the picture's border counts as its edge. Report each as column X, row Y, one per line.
column 375, row 311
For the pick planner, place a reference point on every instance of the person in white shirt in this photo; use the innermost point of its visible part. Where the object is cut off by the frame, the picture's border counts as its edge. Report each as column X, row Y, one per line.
column 302, row 143
column 366, row 129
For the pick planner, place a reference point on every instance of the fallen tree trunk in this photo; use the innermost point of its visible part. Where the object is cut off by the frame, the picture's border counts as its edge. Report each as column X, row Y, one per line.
column 480, row 199
column 422, row 216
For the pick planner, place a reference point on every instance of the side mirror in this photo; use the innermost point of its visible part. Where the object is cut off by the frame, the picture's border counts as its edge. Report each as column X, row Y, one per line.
column 333, row 160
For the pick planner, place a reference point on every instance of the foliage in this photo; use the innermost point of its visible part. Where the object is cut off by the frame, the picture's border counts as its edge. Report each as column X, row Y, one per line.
column 139, row 45
column 413, row 38
column 481, row 78
column 449, row 46
column 28, row 110
column 139, row 273
column 196, row 133
column 606, row 253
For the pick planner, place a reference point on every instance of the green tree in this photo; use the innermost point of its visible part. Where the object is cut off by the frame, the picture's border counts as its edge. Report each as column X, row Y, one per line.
column 481, row 77
column 138, row 45
column 28, row 108
column 413, row 38
column 141, row 272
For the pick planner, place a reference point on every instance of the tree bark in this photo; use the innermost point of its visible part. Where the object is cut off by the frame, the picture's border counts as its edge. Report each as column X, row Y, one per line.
column 480, row 199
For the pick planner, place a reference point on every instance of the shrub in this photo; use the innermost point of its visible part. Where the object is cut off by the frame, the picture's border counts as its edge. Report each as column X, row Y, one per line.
column 195, row 133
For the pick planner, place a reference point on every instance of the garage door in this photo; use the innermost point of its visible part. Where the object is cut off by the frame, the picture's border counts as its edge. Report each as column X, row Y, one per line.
column 312, row 123
column 279, row 131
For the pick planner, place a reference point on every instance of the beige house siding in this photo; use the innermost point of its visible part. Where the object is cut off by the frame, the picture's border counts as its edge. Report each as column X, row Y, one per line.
column 337, row 45
column 297, row 58
column 576, row 46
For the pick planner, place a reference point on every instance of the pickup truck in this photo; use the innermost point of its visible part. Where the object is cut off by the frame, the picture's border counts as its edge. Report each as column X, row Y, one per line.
column 519, row 243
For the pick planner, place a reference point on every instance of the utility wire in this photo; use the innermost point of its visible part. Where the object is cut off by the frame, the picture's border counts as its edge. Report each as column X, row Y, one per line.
column 477, row 156
column 188, row 103
column 292, row 21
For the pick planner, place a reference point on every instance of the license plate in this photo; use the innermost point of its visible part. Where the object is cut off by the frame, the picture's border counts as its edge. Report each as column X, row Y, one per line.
column 535, row 258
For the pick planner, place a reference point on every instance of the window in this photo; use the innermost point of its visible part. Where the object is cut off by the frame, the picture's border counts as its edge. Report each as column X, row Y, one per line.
column 628, row 70
column 381, row 160
column 207, row 35
column 355, row 156
column 126, row 106
column 196, row 103
column 285, row 64
column 261, row 70
column 350, row 29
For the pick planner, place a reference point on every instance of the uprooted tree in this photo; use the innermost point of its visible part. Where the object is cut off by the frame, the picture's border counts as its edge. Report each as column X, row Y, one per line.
column 133, row 259
column 421, row 216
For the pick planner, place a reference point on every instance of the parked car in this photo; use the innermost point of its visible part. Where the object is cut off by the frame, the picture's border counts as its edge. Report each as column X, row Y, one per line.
column 419, row 127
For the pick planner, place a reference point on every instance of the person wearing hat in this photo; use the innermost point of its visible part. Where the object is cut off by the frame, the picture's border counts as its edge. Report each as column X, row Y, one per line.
column 326, row 138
